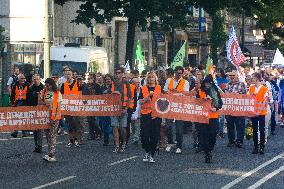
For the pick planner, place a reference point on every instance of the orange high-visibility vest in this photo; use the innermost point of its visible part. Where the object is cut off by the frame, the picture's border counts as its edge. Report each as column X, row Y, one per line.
column 21, row 94
column 132, row 89
column 179, row 87
column 147, row 107
column 124, row 93
column 260, row 102
column 74, row 91
column 55, row 113
column 212, row 115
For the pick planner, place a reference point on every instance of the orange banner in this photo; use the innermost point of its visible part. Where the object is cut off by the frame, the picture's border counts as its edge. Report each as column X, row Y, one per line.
column 238, row 105
column 24, row 118
column 91, row 105
column 182, row 108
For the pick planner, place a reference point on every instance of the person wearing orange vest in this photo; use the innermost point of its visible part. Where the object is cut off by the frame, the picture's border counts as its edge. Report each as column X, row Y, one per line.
column 119, row 123
column 19, row 97
column 150, row 126
column 134, row 88
column 258, row 122
column 51, row 97
column 208, row 132
column 176, row 86
column 72, row 87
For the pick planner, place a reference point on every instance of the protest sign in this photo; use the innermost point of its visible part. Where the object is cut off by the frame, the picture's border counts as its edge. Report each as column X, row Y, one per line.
column 24, row 118
column 238, row 105
column 182, row 108
column 91, row 105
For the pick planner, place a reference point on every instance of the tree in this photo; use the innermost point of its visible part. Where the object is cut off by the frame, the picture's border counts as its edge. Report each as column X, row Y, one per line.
column 159, row 14
column 217, row 36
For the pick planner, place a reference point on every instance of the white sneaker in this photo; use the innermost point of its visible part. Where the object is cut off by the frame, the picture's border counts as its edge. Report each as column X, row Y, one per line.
column 146, row 158
column 151, row 159
column 178, row 151
column 168, row 148
column 69, row 145
column 49, row 159
column 76, row 143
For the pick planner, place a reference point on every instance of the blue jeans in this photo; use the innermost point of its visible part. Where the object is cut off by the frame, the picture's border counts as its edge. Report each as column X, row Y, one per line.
column 179, row 133
column 235, row 124
column 221, row 124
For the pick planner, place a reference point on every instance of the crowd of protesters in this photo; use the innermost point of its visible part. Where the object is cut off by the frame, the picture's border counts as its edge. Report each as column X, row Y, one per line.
column 137, row 125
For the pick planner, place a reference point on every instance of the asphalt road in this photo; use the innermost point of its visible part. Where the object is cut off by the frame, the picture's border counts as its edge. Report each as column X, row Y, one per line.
column 95, row 166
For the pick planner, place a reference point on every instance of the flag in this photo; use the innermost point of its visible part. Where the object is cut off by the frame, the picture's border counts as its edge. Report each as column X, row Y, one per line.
column 139, row 58
column 127, row 67
column 178, row 60
column 210, row 70
column 278, row 58
column 209, row 67
column 234, row 52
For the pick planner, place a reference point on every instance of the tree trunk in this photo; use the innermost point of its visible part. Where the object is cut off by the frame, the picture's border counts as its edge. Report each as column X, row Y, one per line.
column 129, row 56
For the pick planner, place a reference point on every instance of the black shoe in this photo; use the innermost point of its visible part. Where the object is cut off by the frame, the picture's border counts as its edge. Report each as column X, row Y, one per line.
column 231, row 144
column 261, row 150
column 24, row 135
column 221, row 135
column 255, row 151
column 14, row 135
column 239, row 144
column 37, row 150
column 105, row 144
column 208, row 158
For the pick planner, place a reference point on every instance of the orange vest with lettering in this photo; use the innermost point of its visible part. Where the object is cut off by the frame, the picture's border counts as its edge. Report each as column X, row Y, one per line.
column 124, row 93
column 179, row 87
column 21, row 94
column 132, row 89
column 212, row 115
column 74, row 91
column 147, row 107
column 261, row 102
column 54, row 114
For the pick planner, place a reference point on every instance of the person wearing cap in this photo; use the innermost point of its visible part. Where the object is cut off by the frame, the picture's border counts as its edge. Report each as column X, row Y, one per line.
column 235, row 124
column 176, row 86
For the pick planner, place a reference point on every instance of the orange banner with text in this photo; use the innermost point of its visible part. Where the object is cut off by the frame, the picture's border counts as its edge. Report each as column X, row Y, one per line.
column 238, row 105
column 24, row 118
column 183, row 108
column 91, row 105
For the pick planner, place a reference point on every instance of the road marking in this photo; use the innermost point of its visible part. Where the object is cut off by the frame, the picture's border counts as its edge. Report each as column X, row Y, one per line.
column 236, row 181
column 123, row 160
column 266, row 178
column 3, row 139
column 56, row 143
column 54, row 182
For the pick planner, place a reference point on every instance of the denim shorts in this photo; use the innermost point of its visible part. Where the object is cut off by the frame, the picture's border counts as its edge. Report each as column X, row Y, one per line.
column 119, row 121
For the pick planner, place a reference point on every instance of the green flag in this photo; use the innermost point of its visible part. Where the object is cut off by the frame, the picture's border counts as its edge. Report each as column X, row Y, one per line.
column 209, row 66
column 178, row 60
column 139, row 58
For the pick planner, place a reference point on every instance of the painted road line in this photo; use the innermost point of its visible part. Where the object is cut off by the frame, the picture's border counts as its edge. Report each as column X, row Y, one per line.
column 123, row 160
column 54, row 182
column 3, row 139
column 266, row 178
column 236, row 181
column 56, row 143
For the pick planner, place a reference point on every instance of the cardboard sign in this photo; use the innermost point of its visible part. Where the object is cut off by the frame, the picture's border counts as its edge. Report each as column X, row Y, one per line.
column 91, row 105
column 238, row 105
column 24, row 118
column 182, row 108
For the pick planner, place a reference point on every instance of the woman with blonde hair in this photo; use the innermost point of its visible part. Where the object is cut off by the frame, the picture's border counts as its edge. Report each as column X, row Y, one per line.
column 150, row 126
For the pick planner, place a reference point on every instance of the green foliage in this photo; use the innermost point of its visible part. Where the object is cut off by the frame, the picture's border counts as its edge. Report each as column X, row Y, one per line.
column 94, row 66
column 217, row 36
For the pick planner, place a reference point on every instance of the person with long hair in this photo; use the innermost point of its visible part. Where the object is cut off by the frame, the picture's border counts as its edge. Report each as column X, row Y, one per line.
column 208, row 132
column 150, row 126
column 51, row 97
